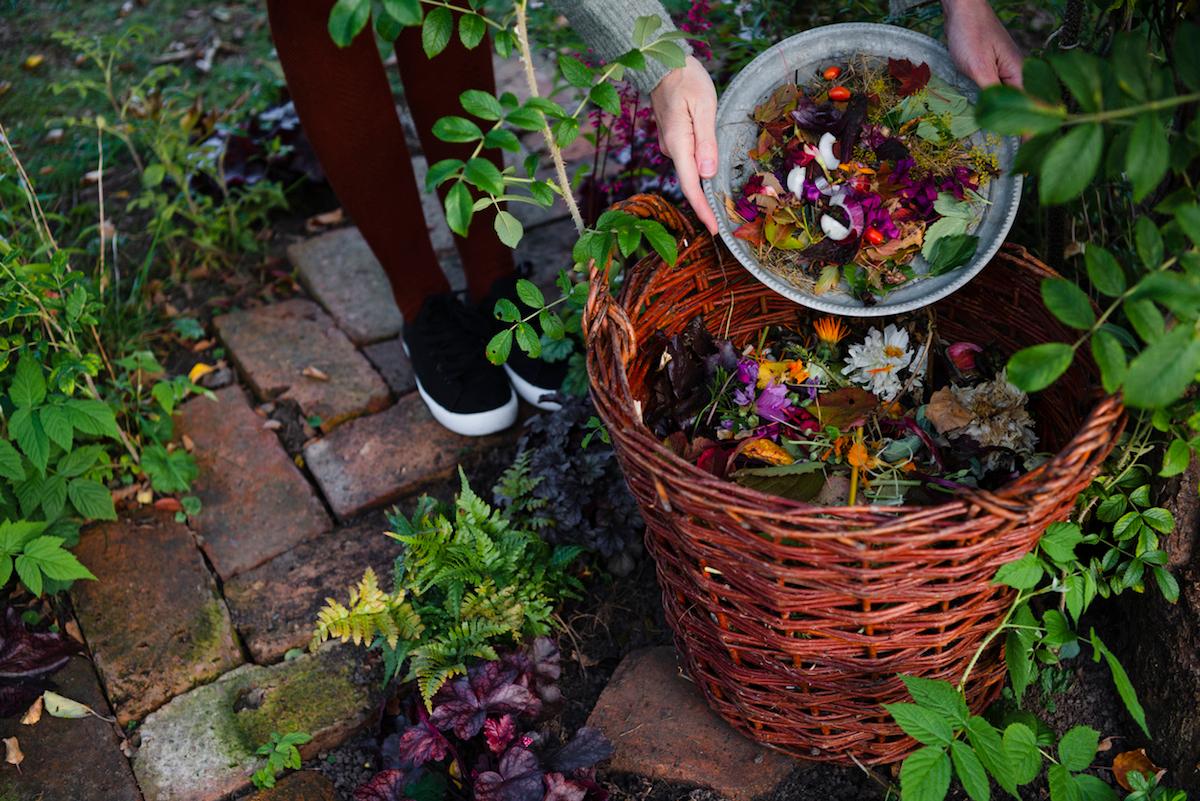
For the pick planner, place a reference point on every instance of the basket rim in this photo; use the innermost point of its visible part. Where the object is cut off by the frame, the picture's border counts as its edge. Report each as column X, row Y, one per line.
column 1106, row 413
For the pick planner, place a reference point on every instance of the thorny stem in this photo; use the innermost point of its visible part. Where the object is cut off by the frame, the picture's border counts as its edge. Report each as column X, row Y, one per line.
column 560, row 167
column 462, row 10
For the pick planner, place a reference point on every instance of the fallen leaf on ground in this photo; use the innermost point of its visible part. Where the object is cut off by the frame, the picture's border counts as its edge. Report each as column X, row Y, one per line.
column 33, row 62
column 313, row 372
column 34, row 713
column 5, row 86
column 199, row 370
column 1129, row 761
column 60, row 706
column 272, row 425
column 325, row 220
column 72, row 630
column 12, row 752
column 145, row 496
column 188, row 444
column 168, row 505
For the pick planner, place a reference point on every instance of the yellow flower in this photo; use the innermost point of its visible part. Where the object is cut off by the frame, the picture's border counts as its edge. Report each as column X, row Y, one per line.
column 830, row 330
column 769, row 372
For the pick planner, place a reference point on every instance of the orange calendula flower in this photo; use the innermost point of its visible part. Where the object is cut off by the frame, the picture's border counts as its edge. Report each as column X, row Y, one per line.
column 830, row 330
column 797, row 372
column 859, row 456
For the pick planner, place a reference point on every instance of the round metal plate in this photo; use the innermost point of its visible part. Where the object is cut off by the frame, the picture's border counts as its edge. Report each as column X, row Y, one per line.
column 801, row 56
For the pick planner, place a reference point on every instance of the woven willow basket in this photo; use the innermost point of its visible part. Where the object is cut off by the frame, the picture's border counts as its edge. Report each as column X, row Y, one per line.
column 795, row 620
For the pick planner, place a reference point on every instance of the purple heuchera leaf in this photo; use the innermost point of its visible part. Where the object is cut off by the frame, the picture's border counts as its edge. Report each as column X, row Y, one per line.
column 586, row 748
column 25, row 653
column 386, row 785
column 464, row 704
column 538, row 668
column 499, row 732
column 560, row 788
column 423, row 743
column 518, row 777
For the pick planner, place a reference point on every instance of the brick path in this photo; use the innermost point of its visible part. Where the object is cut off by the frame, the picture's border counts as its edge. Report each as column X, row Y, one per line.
column 195, row 630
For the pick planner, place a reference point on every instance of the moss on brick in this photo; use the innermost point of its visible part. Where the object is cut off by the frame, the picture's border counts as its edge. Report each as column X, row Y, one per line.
column 308, row 694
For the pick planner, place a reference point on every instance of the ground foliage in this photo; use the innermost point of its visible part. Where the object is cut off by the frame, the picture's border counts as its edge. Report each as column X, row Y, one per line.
column 567, row 484
column 480, row 732
column 469, row 579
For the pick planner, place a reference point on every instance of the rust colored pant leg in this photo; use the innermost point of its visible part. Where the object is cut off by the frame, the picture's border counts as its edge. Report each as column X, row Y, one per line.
column 345, row 104
column 432, row 88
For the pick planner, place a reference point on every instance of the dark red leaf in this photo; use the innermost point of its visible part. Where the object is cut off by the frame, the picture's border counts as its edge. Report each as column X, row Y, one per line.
column 464, row 704
column 499, row 732
column 912, row 77
column 387, row 785
column 25, row 653
column 423, row 743
column 517, row 778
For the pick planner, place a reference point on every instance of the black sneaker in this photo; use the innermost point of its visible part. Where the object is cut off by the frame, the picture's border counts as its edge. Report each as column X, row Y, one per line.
column 463, row 390
column 533, row 379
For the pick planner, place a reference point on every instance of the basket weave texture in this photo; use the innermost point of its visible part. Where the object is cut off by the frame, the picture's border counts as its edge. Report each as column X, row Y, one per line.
column 795, row 620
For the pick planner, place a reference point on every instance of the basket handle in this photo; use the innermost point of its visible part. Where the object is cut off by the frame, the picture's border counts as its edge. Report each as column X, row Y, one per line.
column 603, row 315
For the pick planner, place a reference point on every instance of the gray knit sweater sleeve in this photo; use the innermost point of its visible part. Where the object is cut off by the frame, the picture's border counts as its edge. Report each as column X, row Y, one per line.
column 607, row 27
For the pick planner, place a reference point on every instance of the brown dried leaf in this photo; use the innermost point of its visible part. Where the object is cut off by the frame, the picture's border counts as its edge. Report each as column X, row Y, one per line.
column 168, row 505
column 945, row 412
column 72, row 630
column 12, row 752
column 325, row 220
column 844, row 407
column 764, row 450
column 33, row 714
column 1132, row 761
column 188, row 443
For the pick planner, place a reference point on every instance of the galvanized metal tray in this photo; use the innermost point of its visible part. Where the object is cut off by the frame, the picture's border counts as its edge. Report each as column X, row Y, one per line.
column 801, row 56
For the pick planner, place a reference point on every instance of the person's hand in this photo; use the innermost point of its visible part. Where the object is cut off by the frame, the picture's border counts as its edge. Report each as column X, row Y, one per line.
column 980, row 45
column 685, row 105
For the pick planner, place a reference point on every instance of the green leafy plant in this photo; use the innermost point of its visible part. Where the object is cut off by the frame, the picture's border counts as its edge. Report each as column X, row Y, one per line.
column 61, row 440
column 195, row 212
column 282, row 753
column 468, row 580
column 1130, row 137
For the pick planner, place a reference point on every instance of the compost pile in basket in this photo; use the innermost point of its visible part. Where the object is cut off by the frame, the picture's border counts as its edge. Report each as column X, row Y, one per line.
column 838, row 415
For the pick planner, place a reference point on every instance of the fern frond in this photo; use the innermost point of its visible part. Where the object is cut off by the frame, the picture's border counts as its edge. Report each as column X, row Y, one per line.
column 371, row 613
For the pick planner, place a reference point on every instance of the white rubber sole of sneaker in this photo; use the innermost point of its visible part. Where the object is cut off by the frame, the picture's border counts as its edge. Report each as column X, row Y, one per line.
column 531, row 394
column 475, row 424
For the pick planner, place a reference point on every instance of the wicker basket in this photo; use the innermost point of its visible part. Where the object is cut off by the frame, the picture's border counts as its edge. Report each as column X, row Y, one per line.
column 795, row 620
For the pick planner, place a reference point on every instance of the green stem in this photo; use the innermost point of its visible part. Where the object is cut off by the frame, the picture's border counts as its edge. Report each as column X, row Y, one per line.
column 1130, row 111
column 462, row 10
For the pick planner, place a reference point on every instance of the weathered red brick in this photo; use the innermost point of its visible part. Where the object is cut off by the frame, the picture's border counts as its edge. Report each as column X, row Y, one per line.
column 70, row 760
column 273, row 346
column 342, row 273
column 153, row 621
column 255, row 502
column 662, row 728
column 375, row 460
column 274, row 607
